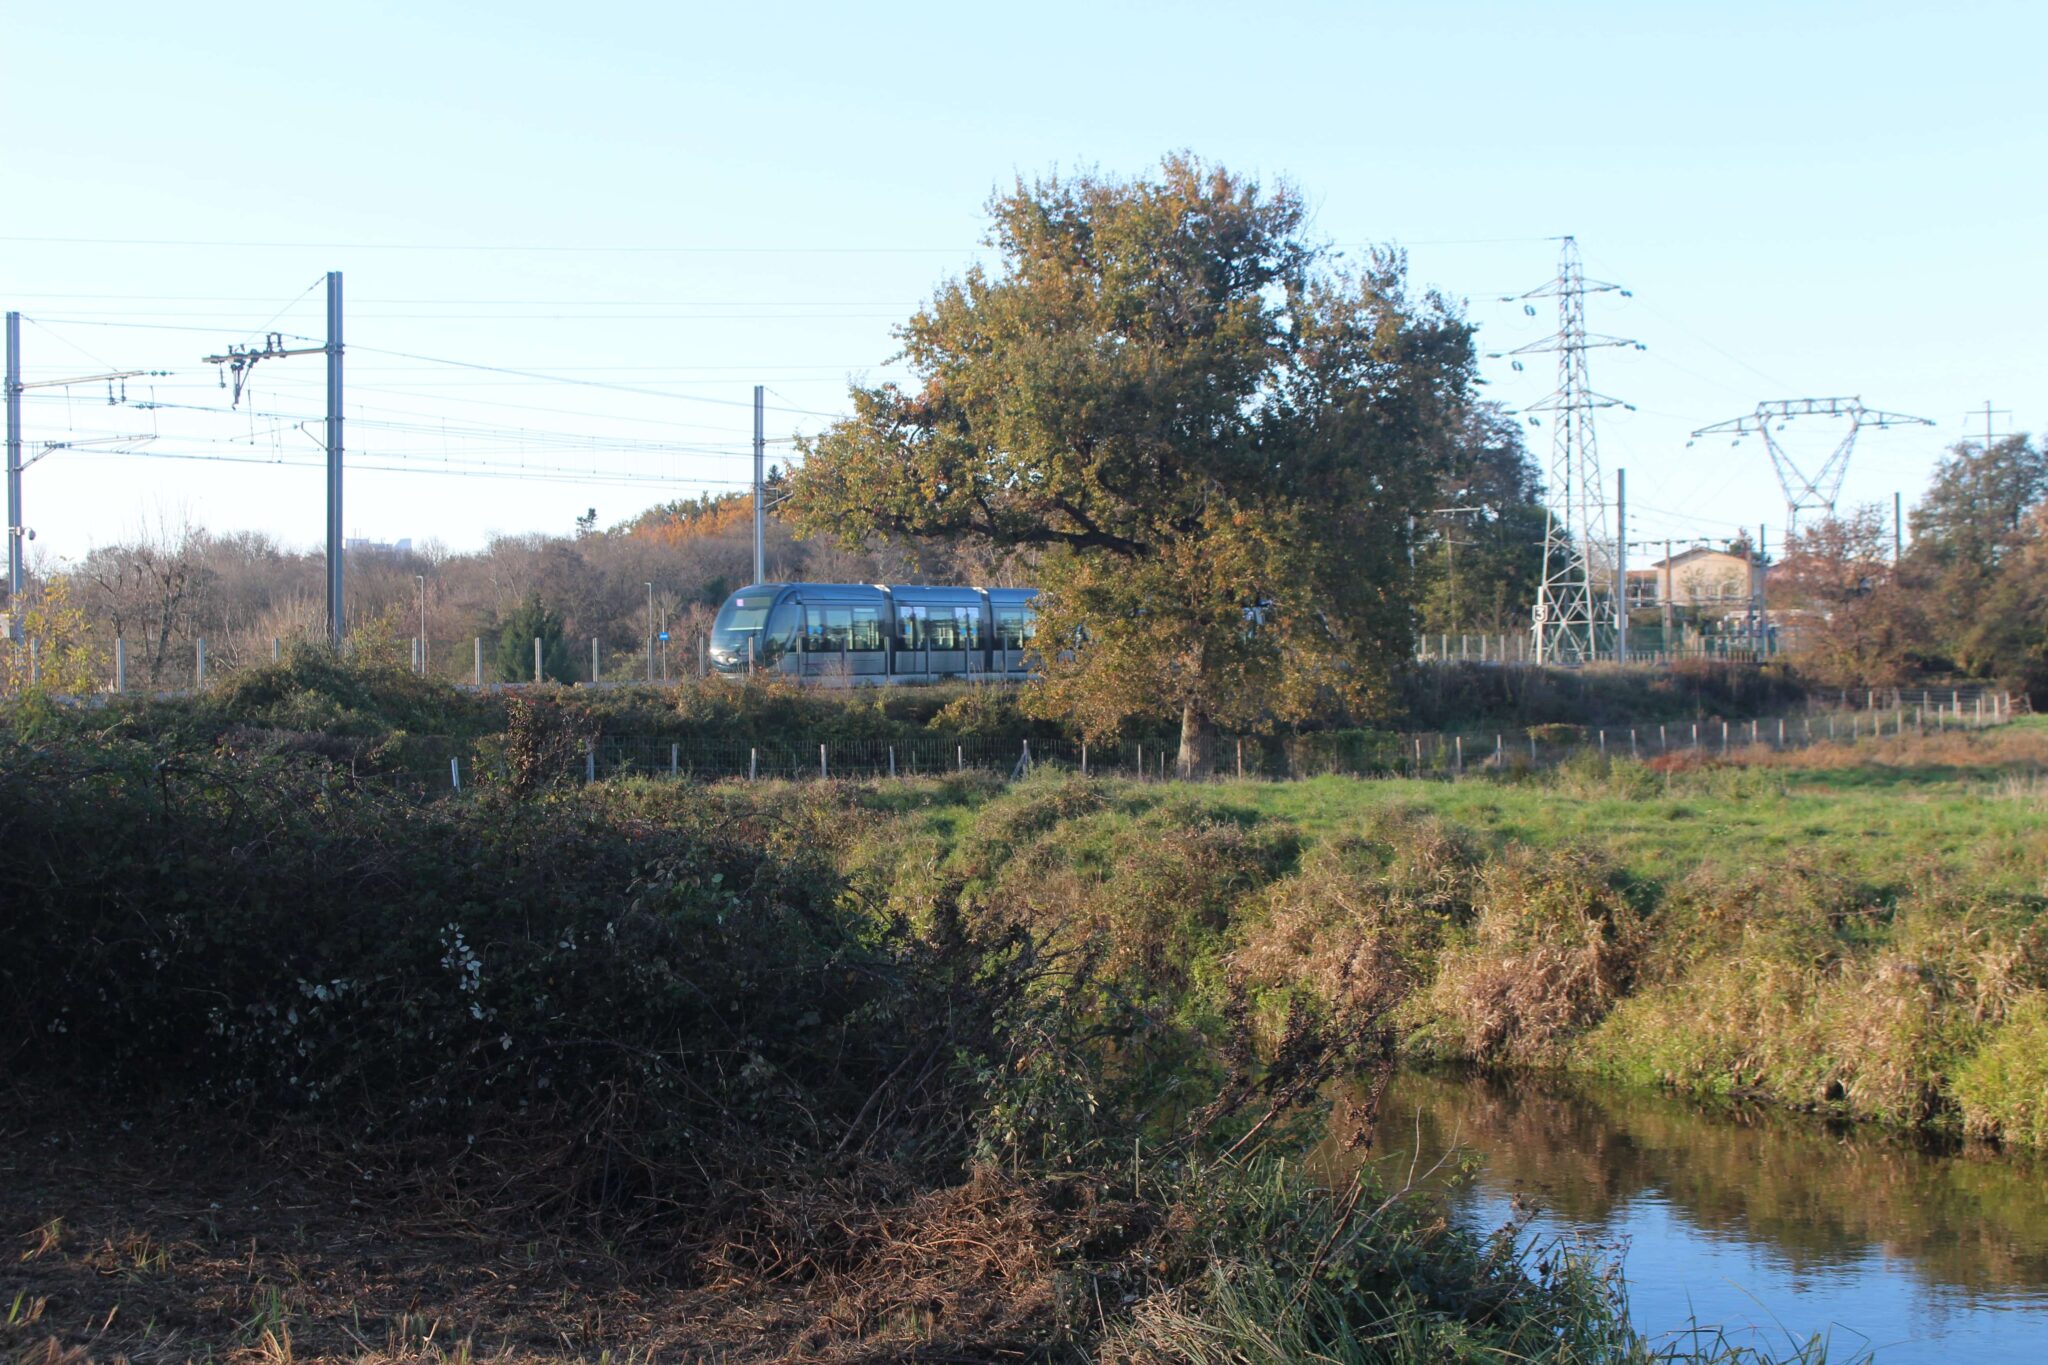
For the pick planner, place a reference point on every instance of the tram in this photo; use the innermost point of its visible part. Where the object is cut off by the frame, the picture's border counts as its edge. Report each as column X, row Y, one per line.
column 871, row 634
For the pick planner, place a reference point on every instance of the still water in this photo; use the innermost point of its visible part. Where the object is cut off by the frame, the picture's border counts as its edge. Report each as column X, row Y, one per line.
column 1768, row 1226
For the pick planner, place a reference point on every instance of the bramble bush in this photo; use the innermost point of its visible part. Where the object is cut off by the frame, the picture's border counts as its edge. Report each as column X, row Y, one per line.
column 645, row 968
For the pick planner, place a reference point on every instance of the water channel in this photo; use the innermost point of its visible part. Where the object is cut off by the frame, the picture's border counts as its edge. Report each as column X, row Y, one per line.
column 1771, row 1227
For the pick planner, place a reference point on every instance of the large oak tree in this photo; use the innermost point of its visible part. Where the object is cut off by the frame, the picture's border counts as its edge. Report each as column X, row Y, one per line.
column 1215, row 434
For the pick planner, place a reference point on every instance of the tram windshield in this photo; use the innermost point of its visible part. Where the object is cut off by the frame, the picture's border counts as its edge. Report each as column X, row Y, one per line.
column 740, row 618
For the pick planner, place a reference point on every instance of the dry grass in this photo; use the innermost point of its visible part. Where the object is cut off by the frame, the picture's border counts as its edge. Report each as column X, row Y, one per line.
column 126, row 1243
column 1359, row 924
column 1554, row 945
column 1992, row 751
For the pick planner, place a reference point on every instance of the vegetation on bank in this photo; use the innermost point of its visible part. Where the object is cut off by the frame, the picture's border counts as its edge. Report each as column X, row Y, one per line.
column 378, row 714
column 969, row 1065
column 1857, row 931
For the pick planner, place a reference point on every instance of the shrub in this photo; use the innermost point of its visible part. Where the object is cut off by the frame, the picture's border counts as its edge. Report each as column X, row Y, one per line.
column 2002, row 1089
column 1261, row 1266
column 1553, row 946
column 1363, row 918
column 1148, row 900
column 1797, row 986
column 625, row 985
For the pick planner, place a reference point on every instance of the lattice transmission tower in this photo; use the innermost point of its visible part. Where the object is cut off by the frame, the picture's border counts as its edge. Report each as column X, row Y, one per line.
column 1577, row 616
column 1817, row 492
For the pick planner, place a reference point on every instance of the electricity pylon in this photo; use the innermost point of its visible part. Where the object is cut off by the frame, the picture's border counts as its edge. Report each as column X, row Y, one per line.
column 1580, row 602
column 1818, row 492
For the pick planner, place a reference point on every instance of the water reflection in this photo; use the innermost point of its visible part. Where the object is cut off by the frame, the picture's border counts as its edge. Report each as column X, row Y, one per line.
column 1756, row 1221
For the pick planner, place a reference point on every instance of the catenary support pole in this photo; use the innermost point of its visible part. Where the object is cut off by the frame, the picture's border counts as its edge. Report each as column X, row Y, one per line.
column 120, row 664
column 760, row 489
column 650, row 632
column 199, row 662
column 16, row 534
column 536, row 658
column 336, row 621
column 479, row 661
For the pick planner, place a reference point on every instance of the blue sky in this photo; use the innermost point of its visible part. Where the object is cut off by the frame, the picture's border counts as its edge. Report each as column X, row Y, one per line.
column 1806, row 199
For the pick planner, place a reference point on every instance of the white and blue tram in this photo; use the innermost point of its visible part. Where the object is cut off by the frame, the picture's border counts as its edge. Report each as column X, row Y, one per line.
column 854, row 634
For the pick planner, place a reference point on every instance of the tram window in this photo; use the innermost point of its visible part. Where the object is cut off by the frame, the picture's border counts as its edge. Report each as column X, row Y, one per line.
column 827, row 629
column 943, row 635
column 1012, row 628
column 967, row 626
column 867, row 629
column 911, row 628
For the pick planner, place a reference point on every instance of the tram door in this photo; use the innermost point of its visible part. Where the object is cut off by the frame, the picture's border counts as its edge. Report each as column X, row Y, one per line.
column 935, row 638
column 1013, row 638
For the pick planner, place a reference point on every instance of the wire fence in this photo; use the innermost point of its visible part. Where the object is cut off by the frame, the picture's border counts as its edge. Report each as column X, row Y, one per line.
column 435, row 764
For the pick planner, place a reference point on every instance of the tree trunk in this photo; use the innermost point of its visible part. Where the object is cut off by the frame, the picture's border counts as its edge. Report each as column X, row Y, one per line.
column 1196, row 759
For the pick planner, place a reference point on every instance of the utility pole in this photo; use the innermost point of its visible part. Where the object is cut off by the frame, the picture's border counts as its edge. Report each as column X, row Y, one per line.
column 1667, row 599
column 1621, row 566
column 1578, row 550
column 650, row 632
column 1450, row 550
column 1898, row 528
column 238, row 361
column 420, row 580
column 1991, row 434
column 760, row 489
column 1757, row 578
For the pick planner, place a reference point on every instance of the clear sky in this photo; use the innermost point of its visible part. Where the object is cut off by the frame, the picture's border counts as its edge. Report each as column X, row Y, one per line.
column 685, row 200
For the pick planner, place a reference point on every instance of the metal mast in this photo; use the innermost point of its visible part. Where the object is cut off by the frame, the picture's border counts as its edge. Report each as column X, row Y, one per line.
column 1818, row 492
column 1579, row 604
column 16, row 532
column 760, row 490
column 240, row 361
column 337, row 619
column 17, row 529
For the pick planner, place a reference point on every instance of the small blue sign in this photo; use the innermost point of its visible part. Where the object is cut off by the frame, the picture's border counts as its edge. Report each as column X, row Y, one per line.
column 664, row 637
